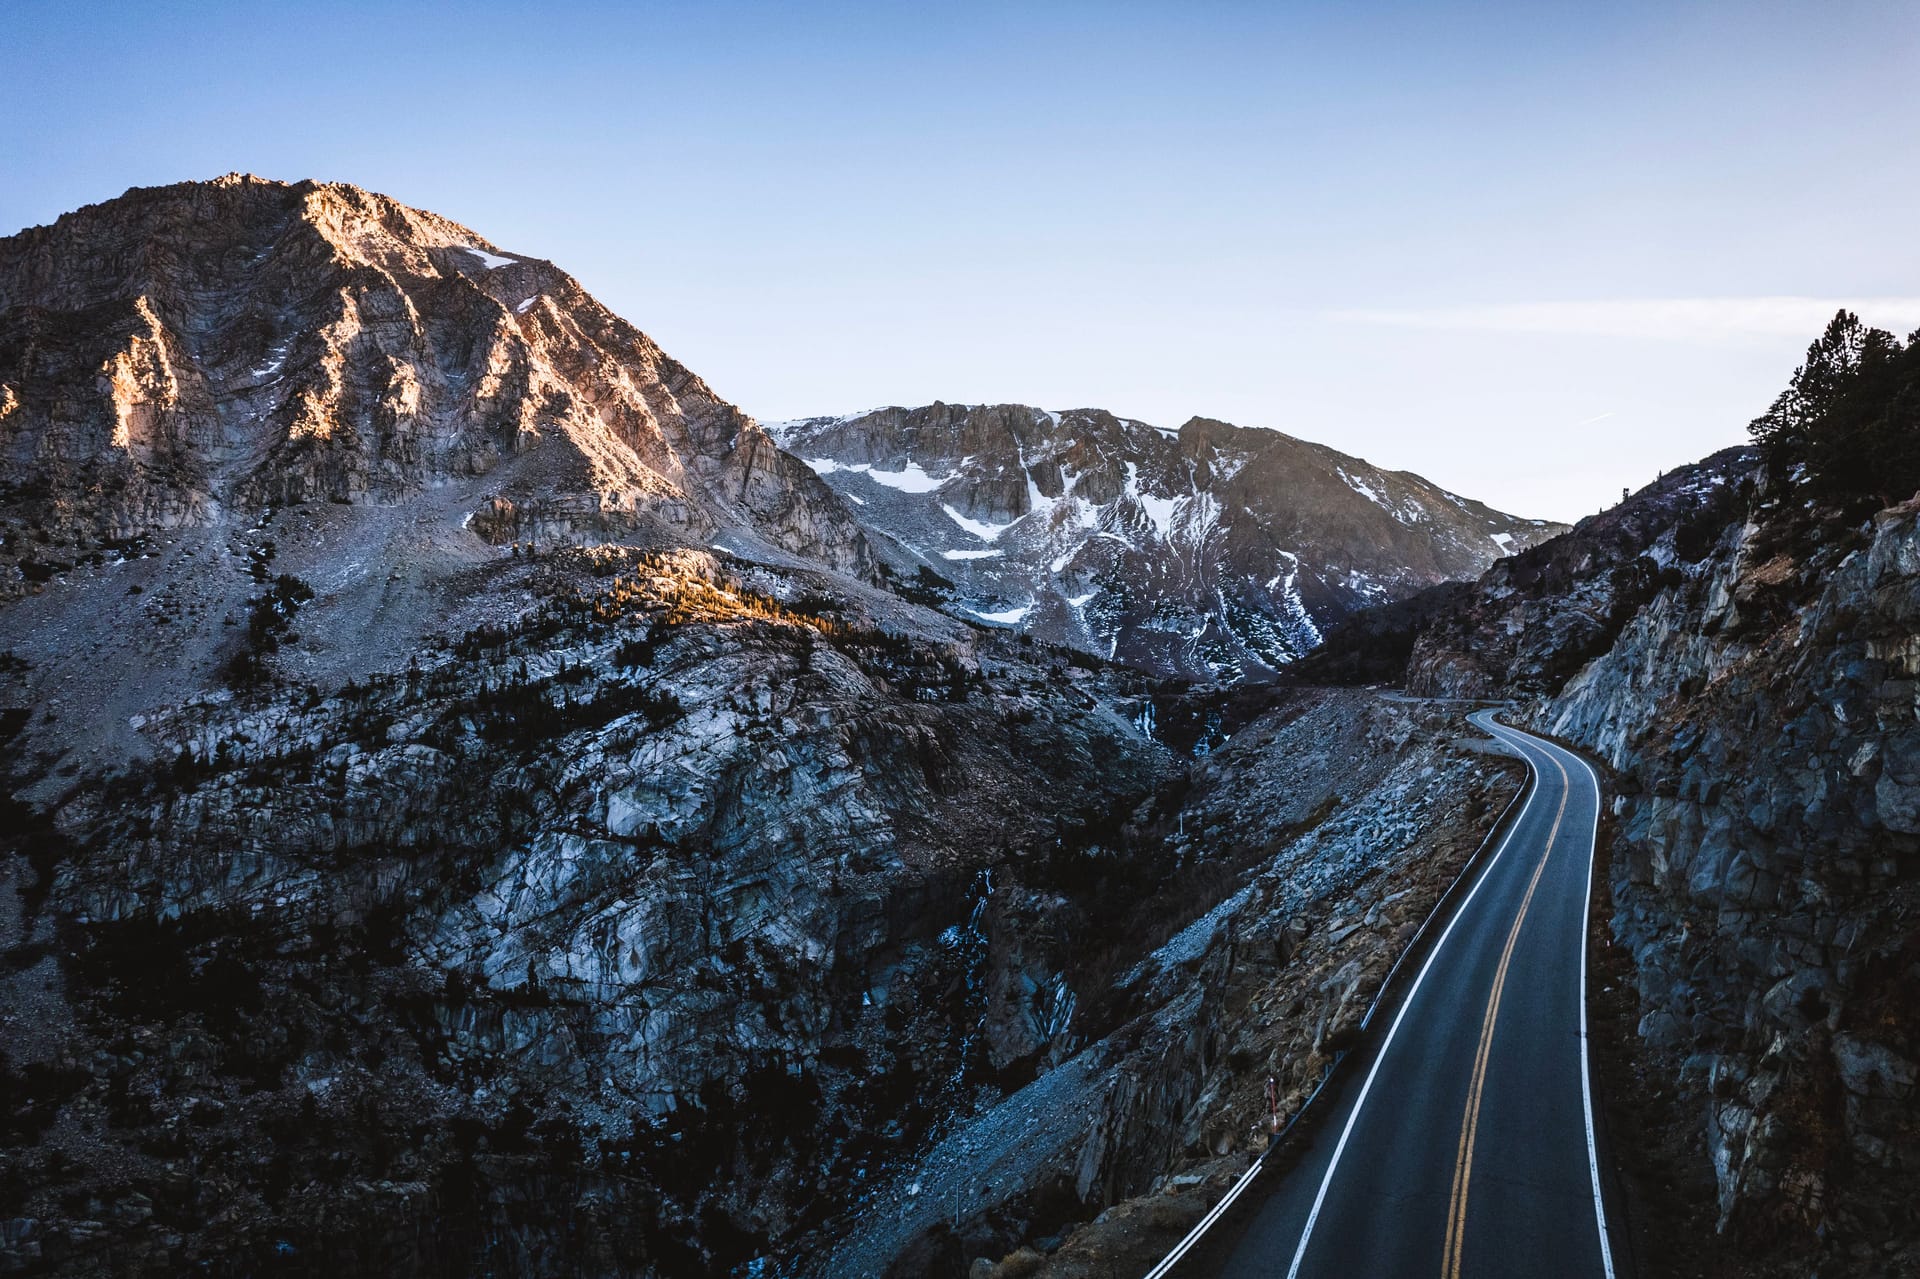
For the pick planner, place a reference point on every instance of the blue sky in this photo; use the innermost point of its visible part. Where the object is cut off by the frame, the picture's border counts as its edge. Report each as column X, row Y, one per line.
column 1537, row 252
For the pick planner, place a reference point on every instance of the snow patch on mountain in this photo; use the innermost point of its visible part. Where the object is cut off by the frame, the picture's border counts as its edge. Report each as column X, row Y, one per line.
column 985, row 532
column 908, row 479
column 1161, row 542
column 491, row 261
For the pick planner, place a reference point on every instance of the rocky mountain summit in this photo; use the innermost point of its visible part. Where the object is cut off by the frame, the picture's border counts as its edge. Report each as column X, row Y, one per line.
column 1214, row 551
column 185, row 352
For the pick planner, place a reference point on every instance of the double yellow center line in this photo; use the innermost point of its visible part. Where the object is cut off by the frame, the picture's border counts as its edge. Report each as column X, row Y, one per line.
column 1470, row 1121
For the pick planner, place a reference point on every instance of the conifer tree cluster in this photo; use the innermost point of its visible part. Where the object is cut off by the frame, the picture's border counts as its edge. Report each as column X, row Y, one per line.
column 1848, row 425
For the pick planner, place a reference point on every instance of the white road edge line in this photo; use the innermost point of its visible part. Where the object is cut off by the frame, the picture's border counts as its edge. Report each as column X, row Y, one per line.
column 1306, row 1233
column 1586, row 1068
column 1181, row 1249
column 1172, row 1259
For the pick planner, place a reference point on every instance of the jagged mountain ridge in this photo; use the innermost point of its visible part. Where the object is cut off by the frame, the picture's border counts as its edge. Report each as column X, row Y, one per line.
column 1529, row 623
column 244, row 343
column 1212, row 551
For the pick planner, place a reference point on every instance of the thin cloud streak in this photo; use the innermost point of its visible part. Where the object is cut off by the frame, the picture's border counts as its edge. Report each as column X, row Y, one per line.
column 1704, row 320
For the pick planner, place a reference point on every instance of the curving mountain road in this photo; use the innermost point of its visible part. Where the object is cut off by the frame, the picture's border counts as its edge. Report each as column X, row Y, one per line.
column 1459, row 1141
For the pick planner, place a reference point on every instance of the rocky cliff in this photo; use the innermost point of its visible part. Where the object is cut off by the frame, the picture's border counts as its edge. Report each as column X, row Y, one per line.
column 624, row 933
column 1762, row 718
column 1533, row 620
column 674, row 916
column 1238, row 932
column 1740, row 648
column 1213, row 551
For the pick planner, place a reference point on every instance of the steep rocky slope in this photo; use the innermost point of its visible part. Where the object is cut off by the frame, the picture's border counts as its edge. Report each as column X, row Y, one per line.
column 186, row 352
column 1738, row 642
column 623, row 932
column 1766, row 876
column 1533, row 620
column 1214, row 551
column 474, row 804
column 657, row 916
column 1238, row 934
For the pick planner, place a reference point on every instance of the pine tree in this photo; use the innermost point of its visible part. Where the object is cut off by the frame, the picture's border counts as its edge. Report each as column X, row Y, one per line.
column 1831, row 364
column 1850, row 418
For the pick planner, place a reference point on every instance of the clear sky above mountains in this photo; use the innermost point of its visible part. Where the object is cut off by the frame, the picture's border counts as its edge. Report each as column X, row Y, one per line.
column 1536, row 252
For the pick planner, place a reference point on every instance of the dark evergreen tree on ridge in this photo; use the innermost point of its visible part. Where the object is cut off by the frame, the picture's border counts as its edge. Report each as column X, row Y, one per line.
column 1848, row 424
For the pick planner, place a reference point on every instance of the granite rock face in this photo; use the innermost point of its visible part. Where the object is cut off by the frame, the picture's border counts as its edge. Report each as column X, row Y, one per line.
column 241, row 343
column 1298, row 862
column 1747, row 667
column 625, row 932
column 1764, row 721
column 675, row 911
column 1214, row 551
column 1531, row 621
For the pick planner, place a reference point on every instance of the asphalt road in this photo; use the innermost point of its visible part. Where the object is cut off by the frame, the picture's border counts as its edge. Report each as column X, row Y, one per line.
column 1459, row 1140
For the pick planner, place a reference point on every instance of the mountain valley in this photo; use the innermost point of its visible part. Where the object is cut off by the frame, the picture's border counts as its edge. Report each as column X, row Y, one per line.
column 480, row 802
